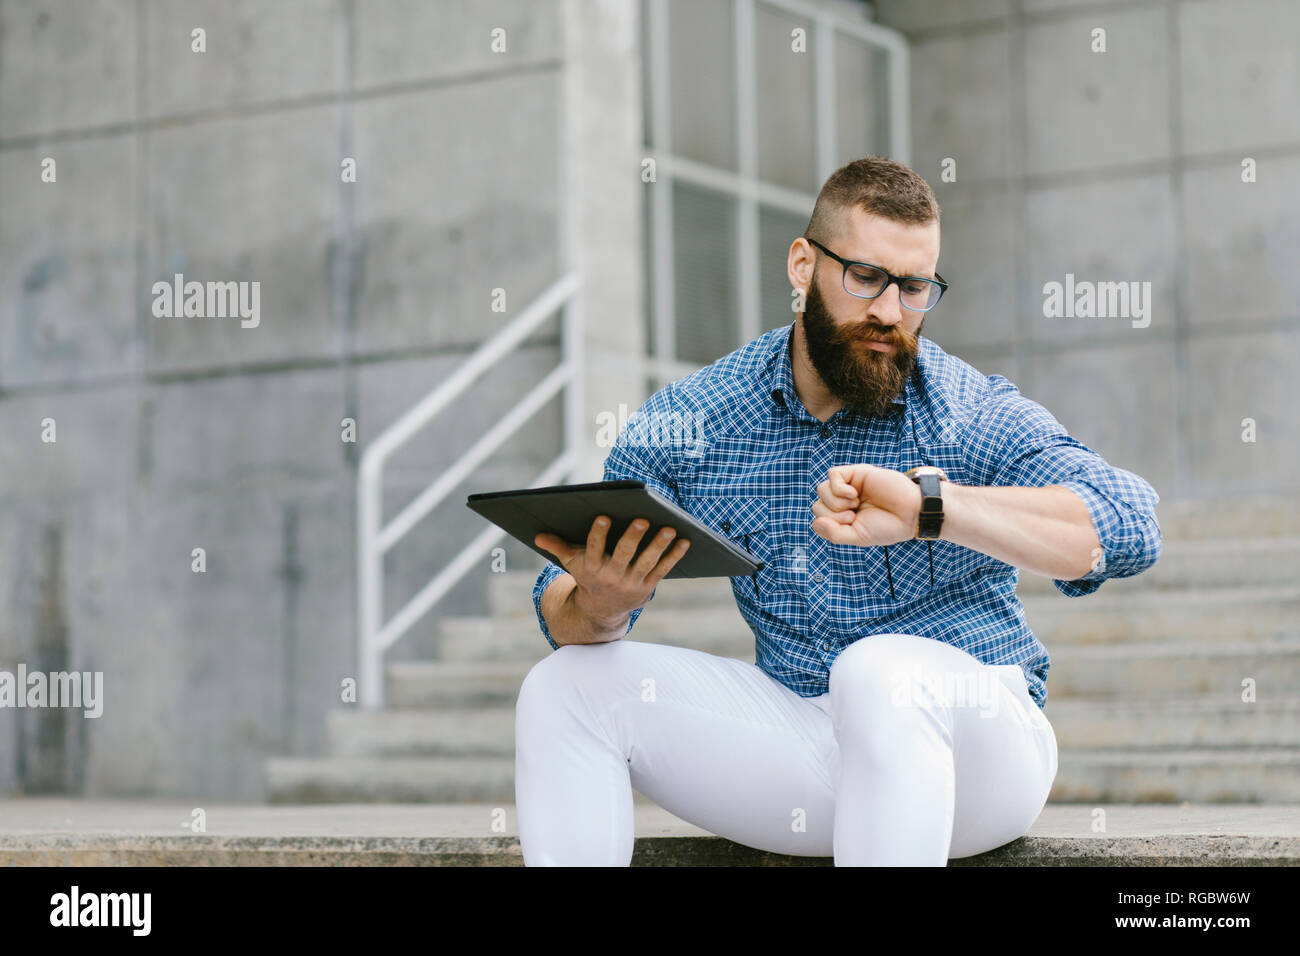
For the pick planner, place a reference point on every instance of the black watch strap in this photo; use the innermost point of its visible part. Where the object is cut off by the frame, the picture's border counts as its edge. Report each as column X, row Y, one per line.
column 930, row 520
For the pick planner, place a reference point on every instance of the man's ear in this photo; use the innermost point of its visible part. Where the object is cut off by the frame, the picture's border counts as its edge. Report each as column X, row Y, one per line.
column 798, row 268
column 799, row 264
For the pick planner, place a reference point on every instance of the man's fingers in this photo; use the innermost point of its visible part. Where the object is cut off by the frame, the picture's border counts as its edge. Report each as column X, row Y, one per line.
column 831, row 493
column 596, row 544
column 842, row 480
column 670, row 558
column 841, row 487
column 562, row 550
column 821, row 510
column 650, row 556
column 835, row 508
column 628, row 544
column 833, row 531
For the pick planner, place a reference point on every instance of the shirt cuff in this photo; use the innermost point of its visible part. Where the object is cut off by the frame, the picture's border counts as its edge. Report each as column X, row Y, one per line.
column 549, row 574
column 544, row 579
column 1129, row 538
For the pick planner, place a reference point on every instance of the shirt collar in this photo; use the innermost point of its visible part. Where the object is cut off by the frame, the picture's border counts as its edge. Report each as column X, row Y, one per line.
column 781, row 376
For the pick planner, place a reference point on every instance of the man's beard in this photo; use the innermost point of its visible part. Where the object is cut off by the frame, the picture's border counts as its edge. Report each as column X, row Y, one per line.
column 866, row 380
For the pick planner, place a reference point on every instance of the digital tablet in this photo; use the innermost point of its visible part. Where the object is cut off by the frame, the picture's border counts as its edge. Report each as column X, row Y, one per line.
column 567, row 511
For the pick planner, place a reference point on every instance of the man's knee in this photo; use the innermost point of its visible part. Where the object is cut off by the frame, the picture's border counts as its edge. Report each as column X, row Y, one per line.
column 907, row 673
column 872, row 667
column 566, row 668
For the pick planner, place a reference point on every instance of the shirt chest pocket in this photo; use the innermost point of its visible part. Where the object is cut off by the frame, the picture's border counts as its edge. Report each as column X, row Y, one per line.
column 909, row 570
column 745, row 520
column 732, row 517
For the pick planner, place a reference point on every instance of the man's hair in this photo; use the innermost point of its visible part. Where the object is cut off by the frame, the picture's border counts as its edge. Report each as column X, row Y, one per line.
column 874, row 184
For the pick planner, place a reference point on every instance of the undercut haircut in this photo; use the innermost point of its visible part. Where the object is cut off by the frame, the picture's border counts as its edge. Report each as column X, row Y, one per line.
column 874, row 184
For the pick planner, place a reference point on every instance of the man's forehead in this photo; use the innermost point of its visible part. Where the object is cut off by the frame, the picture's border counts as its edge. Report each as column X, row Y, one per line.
column 909, row 256
column 900, row 247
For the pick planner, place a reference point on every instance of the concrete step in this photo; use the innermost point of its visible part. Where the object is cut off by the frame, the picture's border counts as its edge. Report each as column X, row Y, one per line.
column 1152, row 671
column 1212, row 670
column 718, row 630
column 62, row 832
column 1229, row 517
column 1083, row 724
column 1166, row 775
column 1080, row 724
column 1254, row 569
column 444, row 732
column 1211, row 563
column 1201, row 614
column 465, row 639
column 1168, row 614
column 457, row 779
column 389, row 779
column 1130, row 775
column 510, row 594
column 1112, row 750
column 424, row 684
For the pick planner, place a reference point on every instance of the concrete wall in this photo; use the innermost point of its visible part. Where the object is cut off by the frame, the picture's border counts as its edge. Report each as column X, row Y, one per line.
column 175, row 433
column 1124, row 166
column 479, row 170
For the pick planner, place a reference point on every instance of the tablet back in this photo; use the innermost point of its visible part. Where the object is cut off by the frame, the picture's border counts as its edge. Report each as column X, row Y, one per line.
column 568, row 511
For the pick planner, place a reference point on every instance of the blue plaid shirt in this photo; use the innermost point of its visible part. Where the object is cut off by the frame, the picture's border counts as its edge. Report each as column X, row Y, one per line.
column 733, row 445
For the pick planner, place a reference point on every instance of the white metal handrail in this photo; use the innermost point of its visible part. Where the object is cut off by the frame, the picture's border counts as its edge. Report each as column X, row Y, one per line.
column 375, row 636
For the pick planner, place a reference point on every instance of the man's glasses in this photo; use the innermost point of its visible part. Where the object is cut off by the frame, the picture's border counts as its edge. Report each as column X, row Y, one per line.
column 867, row 281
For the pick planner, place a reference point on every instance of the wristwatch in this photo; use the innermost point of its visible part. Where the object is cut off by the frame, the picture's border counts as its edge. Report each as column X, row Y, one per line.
column 930, row 519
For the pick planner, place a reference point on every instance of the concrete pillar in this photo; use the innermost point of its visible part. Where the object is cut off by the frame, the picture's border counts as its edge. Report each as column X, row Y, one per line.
column 600, row 192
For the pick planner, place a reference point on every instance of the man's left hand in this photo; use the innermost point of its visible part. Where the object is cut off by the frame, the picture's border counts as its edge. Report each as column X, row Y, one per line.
column 867, row 506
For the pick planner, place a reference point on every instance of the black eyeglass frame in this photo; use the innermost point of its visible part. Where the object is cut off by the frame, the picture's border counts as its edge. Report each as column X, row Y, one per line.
column 889, row 277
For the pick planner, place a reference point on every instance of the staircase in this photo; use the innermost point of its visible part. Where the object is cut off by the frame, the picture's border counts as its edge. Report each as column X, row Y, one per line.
column 1144, row 690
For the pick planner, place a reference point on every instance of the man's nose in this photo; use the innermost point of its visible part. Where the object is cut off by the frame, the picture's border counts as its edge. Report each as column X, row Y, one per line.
column 887, row 308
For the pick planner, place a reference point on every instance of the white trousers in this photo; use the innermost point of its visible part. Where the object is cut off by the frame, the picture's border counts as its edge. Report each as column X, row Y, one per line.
column 918, row 754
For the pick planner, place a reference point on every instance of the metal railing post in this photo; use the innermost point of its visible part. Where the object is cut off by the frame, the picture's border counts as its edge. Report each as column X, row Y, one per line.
column 573, row 397
column 374, row 537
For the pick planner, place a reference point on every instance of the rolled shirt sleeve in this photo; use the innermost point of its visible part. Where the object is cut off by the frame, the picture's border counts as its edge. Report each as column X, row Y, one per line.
column 648, row 449
column 1014, row 441
column 549, row 574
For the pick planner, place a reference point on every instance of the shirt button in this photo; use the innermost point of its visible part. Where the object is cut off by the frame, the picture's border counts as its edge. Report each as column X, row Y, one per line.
column 826, row 433
column 726, row 526
column 826, row 645
column 818, row 578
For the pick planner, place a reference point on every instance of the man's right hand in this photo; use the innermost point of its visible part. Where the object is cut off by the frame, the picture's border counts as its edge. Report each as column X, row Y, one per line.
column 609, row 587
